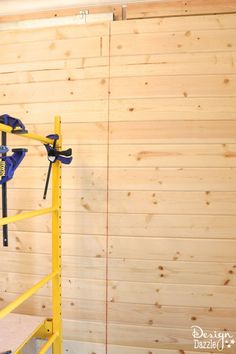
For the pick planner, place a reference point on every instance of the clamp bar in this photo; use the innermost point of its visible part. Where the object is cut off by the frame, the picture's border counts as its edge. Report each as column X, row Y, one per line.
column 26, row 215
column 4, row 197
column 22, row 298
column 42, row 139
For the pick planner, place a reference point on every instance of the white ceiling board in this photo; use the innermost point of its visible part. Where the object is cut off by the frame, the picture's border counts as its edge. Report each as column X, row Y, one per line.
column 13, row 7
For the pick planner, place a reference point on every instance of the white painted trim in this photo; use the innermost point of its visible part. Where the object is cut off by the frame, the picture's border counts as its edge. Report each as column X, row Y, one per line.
column 56, row 21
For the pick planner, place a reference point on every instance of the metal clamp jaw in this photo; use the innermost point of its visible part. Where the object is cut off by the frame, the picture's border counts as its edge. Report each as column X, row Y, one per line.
column 16, row 124
column 64, row 156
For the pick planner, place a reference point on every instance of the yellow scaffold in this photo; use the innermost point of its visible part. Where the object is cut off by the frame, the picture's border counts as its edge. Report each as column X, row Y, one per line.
column 50, row 329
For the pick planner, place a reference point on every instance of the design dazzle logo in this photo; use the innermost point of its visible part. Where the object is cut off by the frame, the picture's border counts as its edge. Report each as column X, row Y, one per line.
column 211, row 340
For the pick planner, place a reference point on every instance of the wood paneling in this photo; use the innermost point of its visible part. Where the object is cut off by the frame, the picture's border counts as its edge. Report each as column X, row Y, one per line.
column 177, row 24
column 154, row 132
column 166, row 155
column 173, row 86
column 135, row 10
column 174, row 42
column 151, row 121
column 152, row 225
column 167, row 179
column 180, row 8
column 172, row 108
column 170, row 224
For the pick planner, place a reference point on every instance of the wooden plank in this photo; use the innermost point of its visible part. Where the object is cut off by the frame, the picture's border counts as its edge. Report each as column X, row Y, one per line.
column 88, row 178
column 153, row 132
column 82, row 267
column 166, row 155
column 73, row 222
column 173, row 42
column 196, row 250
column 191, row 226
column 136, row 109
column 68, row 63
column 71, row 112
column 153, row 65
column 181, row 271
column 215, row 203
column 53, row 75
column 21, row 263
column 200, row 108
column 85, row 264
column 117, row 349
column 159, row 316
column 84, row 331
column 176, row 179
column 164, row 338
column 134, row 10
column 39, row 242
column 176, row 203
column 55, row 33
column 51, row 50
column 172, row 86
column 145, row 315
column 93, row 181
column 73, row 200
column 16, row 329
column 80, row 347
column 174, row 271
column 62, row 91
column 167, row 24
column 179, row 8
column 43, row 305
column 87, row 289
column 185, row 295
column 183, row 317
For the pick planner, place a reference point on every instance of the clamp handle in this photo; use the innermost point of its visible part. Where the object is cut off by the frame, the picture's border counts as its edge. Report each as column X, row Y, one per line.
column 19, row 131
column 67, row 152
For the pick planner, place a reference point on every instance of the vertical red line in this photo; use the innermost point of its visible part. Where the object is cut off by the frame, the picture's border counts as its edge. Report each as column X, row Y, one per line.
column 107, row 197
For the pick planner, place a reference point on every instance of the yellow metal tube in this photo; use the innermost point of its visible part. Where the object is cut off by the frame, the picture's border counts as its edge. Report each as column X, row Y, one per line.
column 56, row 245
column 49, row 342
column 14, row 304
column 26, row 215
column 42, row 139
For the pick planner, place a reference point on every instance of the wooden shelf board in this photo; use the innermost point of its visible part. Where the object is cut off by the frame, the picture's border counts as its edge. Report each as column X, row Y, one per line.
column 15, row 329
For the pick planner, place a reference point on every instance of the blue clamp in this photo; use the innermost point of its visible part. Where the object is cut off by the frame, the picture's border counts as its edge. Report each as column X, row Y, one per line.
column 11, row 163
column 54, row 154
column 3, row 149
column 15, row 123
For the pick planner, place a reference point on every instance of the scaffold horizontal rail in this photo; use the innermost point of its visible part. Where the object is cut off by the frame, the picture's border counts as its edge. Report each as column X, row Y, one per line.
column 26, row 215
column 48, row 344
column 42, row 139
column 22, row 298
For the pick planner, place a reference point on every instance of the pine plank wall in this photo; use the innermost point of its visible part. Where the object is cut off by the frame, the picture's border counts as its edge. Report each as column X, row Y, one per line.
column 149, row 202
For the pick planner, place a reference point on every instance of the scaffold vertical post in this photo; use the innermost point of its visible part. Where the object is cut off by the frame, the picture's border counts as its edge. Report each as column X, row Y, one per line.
column 56, row 244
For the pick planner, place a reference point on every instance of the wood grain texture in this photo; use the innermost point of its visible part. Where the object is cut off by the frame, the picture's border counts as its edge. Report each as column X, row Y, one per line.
column 154, row 132
column 176, row 203
column 177, row 24
column 147, row 9
column 173, row 42
column 173, row 86
column 152, row 225
column 172, row 108
column 152, row 124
